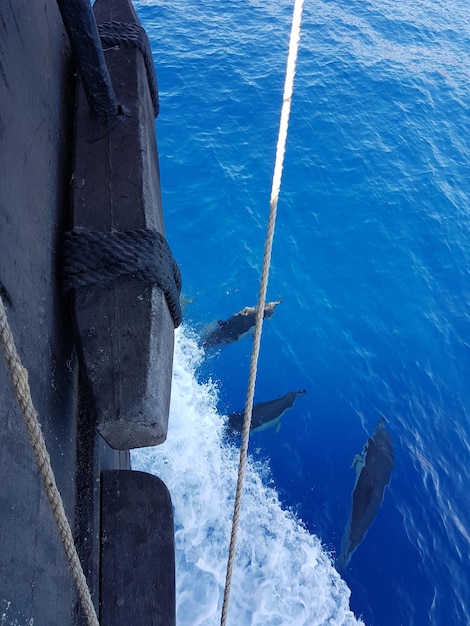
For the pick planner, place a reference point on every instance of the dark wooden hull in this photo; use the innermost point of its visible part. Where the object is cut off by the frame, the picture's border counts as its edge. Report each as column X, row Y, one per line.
column 37, row 105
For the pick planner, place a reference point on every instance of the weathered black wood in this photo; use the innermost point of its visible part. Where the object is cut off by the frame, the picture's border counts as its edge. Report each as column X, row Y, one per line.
column 94, row 455
column 137, row 550
column 125, row 329
column 35, row 582
column 81, row 28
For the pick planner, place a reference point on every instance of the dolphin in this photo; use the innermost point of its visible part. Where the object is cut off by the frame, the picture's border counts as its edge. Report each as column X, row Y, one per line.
column 373, row 471
column 265, row 414
column 237, row 326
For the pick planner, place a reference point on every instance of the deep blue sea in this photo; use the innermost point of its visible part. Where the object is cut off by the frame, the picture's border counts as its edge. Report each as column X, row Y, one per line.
column 371, row 260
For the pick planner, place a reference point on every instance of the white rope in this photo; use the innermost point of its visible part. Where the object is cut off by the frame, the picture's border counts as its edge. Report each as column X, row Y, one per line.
column 19, row 377
column 276, row 186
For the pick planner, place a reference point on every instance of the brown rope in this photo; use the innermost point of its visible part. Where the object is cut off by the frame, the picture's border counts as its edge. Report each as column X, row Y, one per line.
column 19, row 377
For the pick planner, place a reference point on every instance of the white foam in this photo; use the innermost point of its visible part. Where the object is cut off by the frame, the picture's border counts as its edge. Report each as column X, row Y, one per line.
column 282, row 576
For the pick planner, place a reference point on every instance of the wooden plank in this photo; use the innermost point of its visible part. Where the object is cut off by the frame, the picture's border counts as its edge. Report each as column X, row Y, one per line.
column 125, row 329
column 35, row 117
column 137, row 550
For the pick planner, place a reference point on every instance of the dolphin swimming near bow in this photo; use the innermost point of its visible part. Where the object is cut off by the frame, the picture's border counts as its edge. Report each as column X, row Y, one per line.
column 239, row 324
column 374, row 467
column 265, row 414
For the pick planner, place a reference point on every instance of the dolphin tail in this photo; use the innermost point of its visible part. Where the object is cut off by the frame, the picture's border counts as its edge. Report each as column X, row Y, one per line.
column 343, row 562
column 345, row 556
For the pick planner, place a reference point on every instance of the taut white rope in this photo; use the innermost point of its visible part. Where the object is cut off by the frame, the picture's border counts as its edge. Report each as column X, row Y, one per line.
column 19, row 377
column 276, row 186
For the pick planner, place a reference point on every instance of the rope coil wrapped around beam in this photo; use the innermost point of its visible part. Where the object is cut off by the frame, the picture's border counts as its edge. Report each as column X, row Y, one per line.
column 132, row 36
column 94, row 256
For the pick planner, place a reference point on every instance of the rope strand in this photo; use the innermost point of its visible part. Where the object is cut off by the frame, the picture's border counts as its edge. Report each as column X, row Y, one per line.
column 19, row 377
column 276, row 186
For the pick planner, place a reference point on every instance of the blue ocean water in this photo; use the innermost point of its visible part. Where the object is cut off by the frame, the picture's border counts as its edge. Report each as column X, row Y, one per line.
column 371, row 261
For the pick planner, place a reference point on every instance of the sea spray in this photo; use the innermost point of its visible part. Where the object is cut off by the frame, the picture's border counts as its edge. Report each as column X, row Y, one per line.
column 282, row 574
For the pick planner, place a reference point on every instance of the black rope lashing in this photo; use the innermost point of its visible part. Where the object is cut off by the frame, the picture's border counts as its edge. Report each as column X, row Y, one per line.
column 80, row 23
column 94, row 256
column 132, row 36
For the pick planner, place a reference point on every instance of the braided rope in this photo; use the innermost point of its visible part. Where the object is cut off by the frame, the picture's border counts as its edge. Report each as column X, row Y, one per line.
column 19, row 377
column 276, row 186
column 132, row 36
column 94, row 256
